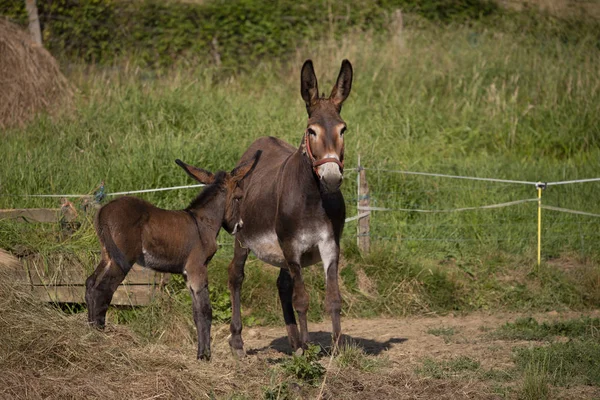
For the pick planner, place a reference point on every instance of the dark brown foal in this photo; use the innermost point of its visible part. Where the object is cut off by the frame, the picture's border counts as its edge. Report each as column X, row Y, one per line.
column 293, row 211
column 183, row 242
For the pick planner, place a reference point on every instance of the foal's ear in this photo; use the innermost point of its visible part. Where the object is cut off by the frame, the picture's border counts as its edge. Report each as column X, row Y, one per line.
column 240, row 172
column 342, row 87
column 198, row 174
column 308, row 84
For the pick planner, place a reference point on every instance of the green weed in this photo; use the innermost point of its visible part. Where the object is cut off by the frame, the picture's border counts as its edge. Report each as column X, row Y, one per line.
column 280, row 391
column 445, row 332
column 351, row 355
column 535, row 381
column 305, row 367
column 573, row 362
column 530, row 329
column 442, row 369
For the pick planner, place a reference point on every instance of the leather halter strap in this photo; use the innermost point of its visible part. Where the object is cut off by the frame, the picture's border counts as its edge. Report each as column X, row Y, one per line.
column 317, row 163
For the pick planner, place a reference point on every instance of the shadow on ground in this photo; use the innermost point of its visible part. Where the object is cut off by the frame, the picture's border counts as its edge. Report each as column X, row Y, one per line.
column 323, row 339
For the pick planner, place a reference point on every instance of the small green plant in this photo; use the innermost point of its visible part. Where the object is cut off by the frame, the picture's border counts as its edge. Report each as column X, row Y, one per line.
column 530, row 329
column 352, row 356
column 573, row 362
column 306, row 366
column 442, row 369
column 463, row 363
column 535, row 381
column 280, row 391
column 431, row 368
column 445, row 332
column 498, row 375
column 221, row 305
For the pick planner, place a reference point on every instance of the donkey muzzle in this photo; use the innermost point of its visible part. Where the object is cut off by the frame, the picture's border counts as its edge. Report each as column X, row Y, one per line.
column 330, row 176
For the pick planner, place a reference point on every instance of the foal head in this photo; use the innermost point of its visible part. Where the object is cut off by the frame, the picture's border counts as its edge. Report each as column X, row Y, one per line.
column 227, row 185
column 324, row 137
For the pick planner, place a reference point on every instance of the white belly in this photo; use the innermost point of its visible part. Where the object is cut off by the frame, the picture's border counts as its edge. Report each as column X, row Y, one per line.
column 267, row 248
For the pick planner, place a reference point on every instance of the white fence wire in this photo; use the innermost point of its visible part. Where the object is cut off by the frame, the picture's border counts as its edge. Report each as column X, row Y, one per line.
column 365, row 211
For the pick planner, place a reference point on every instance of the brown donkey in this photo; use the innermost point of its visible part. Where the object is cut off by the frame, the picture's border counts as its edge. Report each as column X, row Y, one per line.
column 293, row 211
column 182, row 242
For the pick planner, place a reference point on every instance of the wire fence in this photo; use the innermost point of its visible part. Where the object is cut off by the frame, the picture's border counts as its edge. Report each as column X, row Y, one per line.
column 403, row 211
column 393, row 211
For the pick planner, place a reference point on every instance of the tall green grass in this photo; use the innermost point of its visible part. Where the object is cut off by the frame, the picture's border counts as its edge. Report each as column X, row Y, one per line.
column 460, row 100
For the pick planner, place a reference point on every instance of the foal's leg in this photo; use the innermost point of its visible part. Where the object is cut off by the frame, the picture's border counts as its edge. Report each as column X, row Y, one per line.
column 330, row 253
column 99, row 289
column 197, row 282
column 236, row 278
column 285, row 286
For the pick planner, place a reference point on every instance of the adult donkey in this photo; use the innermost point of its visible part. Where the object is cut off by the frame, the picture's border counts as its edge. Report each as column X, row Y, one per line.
column 293, row 211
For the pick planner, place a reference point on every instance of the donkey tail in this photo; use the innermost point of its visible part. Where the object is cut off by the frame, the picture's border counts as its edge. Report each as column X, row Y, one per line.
column 115, row 254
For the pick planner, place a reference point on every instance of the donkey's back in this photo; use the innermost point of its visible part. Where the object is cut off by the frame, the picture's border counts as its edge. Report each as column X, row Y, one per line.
column 274, row 153
column 143, row 233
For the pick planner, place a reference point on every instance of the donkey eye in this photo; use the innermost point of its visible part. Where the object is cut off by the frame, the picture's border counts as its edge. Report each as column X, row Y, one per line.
column 311, row 132
column 343, row 131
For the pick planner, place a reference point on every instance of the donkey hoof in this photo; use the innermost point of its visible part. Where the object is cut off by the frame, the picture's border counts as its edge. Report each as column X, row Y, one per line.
column 97, row 325
column 299, row 351
column 204, row 357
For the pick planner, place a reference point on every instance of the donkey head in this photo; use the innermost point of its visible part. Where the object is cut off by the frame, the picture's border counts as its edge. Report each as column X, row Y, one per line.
column 227, row 184
column 324, row 138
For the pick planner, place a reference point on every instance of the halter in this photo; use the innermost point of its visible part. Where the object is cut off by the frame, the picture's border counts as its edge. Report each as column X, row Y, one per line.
column 316, row 163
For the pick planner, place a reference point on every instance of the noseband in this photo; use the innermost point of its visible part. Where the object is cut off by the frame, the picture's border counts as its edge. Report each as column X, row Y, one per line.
column 316, row 163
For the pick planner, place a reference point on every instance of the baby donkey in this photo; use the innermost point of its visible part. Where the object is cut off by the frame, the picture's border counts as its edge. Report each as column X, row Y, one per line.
column 182, row 241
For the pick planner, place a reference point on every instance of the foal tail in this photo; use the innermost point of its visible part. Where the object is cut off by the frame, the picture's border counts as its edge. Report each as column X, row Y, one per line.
column 115, row 254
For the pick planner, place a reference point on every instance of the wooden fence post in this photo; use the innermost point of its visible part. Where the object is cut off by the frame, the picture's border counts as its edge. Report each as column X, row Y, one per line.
column 34, row 22
column 363, row 239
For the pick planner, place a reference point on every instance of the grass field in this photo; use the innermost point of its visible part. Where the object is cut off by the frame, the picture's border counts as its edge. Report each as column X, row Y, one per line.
column 502, row 101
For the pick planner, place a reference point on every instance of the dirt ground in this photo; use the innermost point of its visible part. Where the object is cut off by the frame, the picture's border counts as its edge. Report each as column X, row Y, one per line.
column 47, row 354
column 404, row 344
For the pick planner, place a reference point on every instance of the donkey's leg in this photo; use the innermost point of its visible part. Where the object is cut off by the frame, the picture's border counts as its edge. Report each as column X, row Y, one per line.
column 91, row 295
column 300, row 300
column 236, row 278
column 285, row 286
column 99, row 290
column 197, row 282
column 330, row 253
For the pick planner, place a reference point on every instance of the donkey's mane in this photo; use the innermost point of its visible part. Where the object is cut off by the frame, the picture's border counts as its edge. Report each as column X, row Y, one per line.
column 209, row 192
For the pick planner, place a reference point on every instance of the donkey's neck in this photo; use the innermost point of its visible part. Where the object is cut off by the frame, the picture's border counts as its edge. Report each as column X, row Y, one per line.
column 305, row 176
column 209, row 214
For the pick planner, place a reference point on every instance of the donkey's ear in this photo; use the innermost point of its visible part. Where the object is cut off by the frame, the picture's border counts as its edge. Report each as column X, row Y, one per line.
column 308, row 84
column 242, row 171
column 198, row 174
column 342, row 87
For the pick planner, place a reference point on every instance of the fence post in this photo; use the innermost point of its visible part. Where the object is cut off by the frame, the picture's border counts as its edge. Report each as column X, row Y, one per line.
column 539, row 186
column 363, row 239
column 34, row 21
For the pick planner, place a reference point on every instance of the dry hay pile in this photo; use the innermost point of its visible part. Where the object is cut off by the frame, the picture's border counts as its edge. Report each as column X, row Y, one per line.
column 30, row 79
column 45, row 353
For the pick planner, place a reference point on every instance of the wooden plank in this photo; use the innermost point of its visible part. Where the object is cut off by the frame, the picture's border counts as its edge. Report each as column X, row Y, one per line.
column 132, row 295
column 63, row 272
column 32, row 214
column 138, row 288
column 55, row 269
